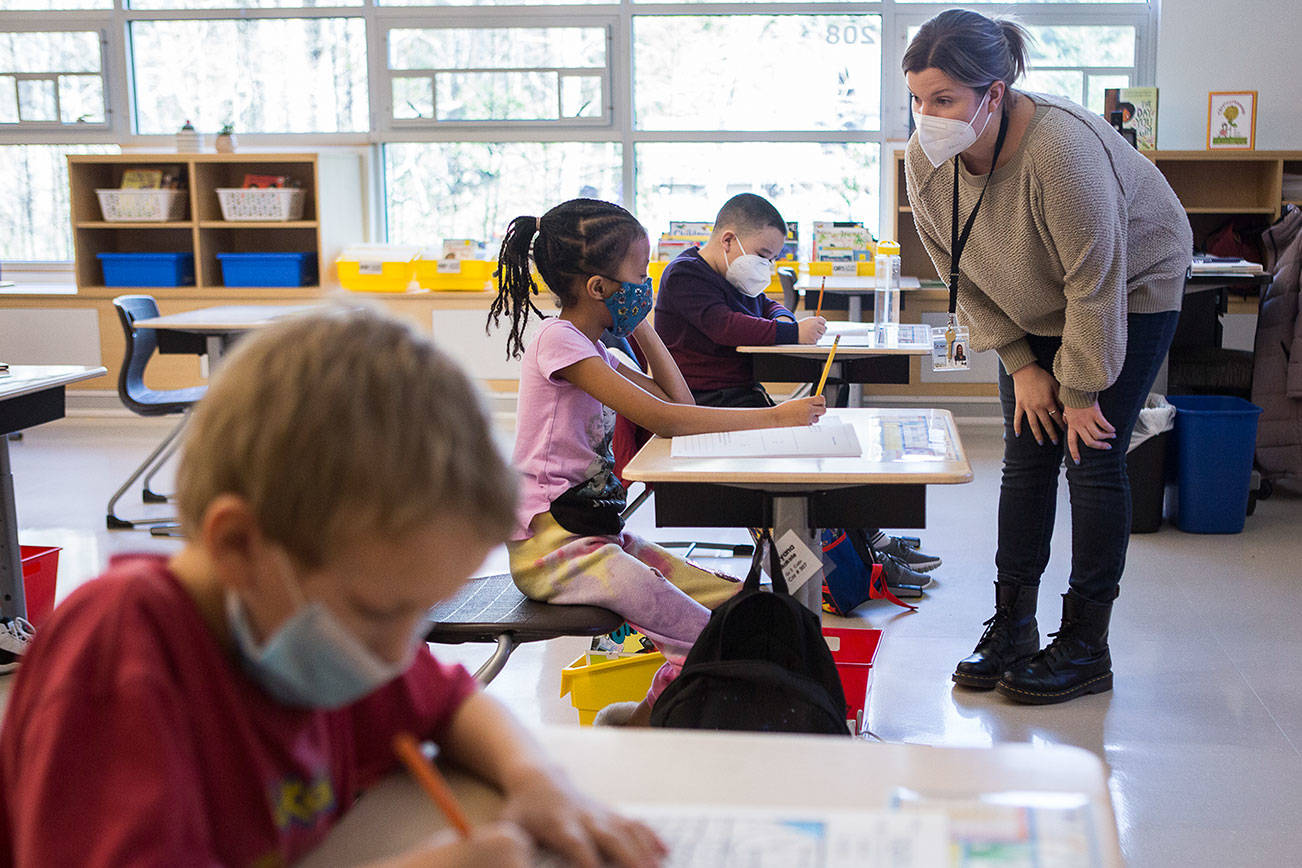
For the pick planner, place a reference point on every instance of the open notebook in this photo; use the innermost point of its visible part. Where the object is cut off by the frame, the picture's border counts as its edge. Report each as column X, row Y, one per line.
column 831, row 440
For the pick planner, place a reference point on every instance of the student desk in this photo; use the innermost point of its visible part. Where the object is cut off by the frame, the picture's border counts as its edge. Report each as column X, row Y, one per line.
column 853, row 287
column 857, row 365
column 904, row 451
column 29, row 396
column 650, row 766
column 212, row 330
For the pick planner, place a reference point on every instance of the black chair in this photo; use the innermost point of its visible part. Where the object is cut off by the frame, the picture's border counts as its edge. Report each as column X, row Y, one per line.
column 492, row 609
column 139, row 399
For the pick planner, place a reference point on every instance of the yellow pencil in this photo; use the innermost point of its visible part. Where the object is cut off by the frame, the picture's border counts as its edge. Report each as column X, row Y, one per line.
column 822, row 381
column 822, row 286
column 408, row 750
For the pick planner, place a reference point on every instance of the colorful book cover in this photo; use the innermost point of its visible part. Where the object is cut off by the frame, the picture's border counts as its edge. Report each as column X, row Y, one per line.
column 1138, row 107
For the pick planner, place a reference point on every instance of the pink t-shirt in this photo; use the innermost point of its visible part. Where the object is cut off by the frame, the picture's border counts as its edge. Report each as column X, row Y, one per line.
column 562, row 434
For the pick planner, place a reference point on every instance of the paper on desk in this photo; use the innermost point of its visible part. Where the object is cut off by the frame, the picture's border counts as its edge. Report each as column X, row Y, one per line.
column 704, row 836
column 868, row 335
column 832, row 440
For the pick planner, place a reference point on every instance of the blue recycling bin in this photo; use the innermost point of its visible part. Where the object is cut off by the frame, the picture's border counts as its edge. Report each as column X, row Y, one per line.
column 1213, row 443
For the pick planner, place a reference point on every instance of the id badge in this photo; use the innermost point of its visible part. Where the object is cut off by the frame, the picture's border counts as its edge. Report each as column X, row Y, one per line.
column 950, row 349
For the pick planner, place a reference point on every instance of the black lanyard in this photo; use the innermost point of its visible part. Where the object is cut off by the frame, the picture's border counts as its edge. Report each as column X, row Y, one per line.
column 956, row 241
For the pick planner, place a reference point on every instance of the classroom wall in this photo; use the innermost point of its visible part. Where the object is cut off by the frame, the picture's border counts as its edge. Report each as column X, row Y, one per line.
column 1210, row 45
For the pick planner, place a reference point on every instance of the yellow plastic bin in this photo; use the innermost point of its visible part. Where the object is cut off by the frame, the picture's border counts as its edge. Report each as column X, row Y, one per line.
column 455, row 275
column 594, row 685
column 377, row 267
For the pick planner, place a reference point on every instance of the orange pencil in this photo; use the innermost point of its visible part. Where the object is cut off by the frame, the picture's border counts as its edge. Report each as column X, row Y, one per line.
column 822, row 286
column 408, row 750
column 822, row 381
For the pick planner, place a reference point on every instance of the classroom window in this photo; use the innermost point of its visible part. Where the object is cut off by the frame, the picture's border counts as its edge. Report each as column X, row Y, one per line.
column 440, row 190
column 268, row 75
column 740, row 72
column 51, row 78
column 690, row 180
column 235, row 4
column 1077, row 62
column 52, row 5
column 34, row 209
column 499, row 74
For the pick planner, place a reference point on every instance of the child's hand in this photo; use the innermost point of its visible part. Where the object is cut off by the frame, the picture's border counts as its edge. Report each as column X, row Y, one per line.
column 578, row 828
column 500, row 845
column 801, row 411
column 810, row 329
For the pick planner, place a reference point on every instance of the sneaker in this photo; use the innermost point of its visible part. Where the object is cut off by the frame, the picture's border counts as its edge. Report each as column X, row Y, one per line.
column 915, row 560
column 903, row 581
column 16, row 635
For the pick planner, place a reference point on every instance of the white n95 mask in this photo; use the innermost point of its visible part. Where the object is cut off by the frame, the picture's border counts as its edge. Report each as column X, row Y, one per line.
column 749, row 273
column 943, row 138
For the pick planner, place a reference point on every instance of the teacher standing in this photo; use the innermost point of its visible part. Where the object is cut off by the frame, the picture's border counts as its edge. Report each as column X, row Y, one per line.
column 1070, row 251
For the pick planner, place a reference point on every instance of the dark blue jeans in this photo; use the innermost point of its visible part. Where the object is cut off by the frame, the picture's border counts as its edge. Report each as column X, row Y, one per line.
column 1099, row 487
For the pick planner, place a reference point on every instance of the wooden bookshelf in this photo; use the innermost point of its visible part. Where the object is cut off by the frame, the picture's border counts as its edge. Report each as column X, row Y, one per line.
column 332, row 214
column 1213, row 186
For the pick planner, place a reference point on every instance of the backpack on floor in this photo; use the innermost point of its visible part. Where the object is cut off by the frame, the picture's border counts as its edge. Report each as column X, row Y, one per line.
column 851, row 573
column 761, row 664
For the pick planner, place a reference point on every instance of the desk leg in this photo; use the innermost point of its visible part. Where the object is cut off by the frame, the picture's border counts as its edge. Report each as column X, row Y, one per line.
column 13, row 602
column 216, row 346
column 792, row 513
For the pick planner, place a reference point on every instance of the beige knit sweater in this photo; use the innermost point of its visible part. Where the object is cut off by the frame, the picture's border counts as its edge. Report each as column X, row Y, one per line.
column 1076, row 231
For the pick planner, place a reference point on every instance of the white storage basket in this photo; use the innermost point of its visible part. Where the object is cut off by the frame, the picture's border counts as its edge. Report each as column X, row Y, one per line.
column 261, row 203
column 142, row 205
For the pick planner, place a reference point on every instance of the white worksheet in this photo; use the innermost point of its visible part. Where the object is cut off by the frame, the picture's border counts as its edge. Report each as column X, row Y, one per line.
column 831, row 440
column 714, row 837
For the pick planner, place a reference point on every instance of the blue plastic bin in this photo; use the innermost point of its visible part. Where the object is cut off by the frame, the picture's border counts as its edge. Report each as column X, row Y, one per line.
column 268, row 269
column 147, row 269
column 1213, row 443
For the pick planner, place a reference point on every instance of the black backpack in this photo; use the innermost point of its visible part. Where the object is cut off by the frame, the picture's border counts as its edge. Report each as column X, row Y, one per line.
column 761, row 664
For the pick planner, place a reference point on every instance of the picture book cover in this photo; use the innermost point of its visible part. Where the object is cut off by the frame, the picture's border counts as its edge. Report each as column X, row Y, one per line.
column 1138, row 108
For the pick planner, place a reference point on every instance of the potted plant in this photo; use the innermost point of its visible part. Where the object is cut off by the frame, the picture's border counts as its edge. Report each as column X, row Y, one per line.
column 226, row 139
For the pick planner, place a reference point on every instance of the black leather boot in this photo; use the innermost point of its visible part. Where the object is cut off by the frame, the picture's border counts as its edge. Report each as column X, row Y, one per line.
column 1076, row 662
column 1011, row 637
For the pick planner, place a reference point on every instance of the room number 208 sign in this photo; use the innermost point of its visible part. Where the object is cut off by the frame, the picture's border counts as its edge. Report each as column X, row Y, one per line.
column 850, row 34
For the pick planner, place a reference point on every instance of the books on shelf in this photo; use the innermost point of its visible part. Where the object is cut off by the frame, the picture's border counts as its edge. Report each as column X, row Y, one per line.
column 844, row 243
column 1203, row 264
column 1138, row 110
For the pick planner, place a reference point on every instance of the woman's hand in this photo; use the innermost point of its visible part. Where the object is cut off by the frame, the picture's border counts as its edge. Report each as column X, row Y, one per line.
column 578, row 828
column 1087, row 425
column 800, row 412
column 1036, row 392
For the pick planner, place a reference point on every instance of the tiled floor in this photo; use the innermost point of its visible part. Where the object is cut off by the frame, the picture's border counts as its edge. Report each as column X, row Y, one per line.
column 1201, row 735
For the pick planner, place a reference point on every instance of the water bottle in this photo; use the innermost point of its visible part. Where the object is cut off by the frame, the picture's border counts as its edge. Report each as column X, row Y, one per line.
column 886, row 299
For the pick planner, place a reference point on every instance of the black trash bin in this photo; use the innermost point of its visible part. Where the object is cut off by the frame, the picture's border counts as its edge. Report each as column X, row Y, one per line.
column 1146, row 467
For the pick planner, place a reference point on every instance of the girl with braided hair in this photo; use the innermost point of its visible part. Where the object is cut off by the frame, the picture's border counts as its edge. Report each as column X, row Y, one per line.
column 570, row 545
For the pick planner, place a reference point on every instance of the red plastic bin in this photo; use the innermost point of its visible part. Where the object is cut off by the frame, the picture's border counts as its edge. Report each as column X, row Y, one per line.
column 40, row 579
column 853, row 650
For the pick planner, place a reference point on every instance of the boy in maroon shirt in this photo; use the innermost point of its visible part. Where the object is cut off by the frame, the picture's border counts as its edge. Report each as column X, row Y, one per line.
column 228, row 704
column 711, row 300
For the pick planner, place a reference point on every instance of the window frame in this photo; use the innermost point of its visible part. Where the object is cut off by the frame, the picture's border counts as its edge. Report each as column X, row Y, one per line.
column 617, row 123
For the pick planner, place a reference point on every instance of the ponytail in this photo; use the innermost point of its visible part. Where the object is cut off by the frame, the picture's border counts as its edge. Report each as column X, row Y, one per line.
column 515, row 283
column 1015, row 40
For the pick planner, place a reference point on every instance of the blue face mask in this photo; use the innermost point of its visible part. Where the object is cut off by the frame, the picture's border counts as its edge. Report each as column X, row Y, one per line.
column 629, row 306
column 312, row 661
